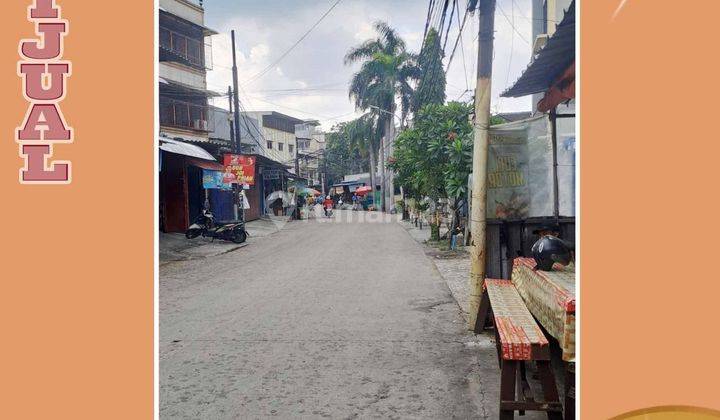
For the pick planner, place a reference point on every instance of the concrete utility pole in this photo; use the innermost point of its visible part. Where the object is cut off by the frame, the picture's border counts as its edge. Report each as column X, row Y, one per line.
column 381, row 164
column 236, row 100
column 235, row 142
column 391, row 173
column 486, row 15
column 236, row 106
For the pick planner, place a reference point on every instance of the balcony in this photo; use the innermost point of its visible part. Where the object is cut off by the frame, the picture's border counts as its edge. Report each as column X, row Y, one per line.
column 187, row 50
column 185, row 115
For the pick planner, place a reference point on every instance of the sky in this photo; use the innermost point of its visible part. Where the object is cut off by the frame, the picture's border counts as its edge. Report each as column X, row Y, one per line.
column 311, row 81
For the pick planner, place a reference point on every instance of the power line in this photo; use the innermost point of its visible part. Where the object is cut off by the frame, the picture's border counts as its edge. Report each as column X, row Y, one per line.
column 462, row 50
column 462, row 26
column 274, row 63
column 512, row 24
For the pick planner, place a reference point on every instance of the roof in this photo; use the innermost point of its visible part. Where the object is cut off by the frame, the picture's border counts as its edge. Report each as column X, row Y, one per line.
column 172, row 85
column 182, row 148
column 266, row 161
column 514, row 116
column 206, row 31
column 550, row 62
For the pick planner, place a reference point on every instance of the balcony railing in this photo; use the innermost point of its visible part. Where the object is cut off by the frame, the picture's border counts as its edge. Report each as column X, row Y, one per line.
column 189, row 49
column 185, row 115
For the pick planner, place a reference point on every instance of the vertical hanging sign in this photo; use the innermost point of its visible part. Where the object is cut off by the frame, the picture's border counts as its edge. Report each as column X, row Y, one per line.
column 44, row 75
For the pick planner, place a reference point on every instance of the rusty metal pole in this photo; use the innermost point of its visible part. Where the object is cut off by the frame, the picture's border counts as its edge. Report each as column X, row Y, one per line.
column 486, row 15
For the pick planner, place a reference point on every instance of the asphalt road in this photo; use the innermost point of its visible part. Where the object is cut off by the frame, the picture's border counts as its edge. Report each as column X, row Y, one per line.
column 335, row 319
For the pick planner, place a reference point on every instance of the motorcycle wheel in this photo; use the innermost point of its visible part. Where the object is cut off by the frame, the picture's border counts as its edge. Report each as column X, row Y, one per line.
column 239, row 236
column 192, row 233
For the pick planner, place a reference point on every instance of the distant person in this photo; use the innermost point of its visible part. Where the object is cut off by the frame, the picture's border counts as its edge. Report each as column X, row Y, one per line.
column 328, row 206
column 300, row 205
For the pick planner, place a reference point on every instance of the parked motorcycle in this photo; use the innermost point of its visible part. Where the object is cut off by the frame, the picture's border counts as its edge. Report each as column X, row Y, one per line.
column 206, row 226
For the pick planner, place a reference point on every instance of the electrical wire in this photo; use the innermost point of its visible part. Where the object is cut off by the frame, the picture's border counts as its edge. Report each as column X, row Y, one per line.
column 283, row 55
column 512, row 24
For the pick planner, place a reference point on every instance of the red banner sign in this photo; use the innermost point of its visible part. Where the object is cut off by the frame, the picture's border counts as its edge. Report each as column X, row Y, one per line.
column 239, row 169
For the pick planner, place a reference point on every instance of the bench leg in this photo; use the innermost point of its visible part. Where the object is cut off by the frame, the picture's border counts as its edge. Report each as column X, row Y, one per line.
column 549, row 387
column 498, row 347
column 569, row 391
column 481, row 321
column 507, row 387
column 523, row 391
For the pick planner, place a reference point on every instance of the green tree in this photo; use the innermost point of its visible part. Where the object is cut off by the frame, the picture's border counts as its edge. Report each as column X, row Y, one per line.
column 431, row 86
column 365, row 139
column 434, row 158
column 385, row 74
column 341, row 157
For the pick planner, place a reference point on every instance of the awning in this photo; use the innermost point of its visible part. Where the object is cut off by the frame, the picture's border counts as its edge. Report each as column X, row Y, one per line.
column 182, row 148
column 206, row 31
column 550, row 62
column 205, row 164
column 172, row 86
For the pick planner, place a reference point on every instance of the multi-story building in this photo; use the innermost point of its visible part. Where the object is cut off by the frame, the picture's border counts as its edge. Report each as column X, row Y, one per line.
column 185, row 118
column 311, row 144
column 184, row 61
column 277, row 135
column 546, row 15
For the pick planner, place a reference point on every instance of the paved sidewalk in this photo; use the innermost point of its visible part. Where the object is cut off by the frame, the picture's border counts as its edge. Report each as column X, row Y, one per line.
column 176, row 247
column 453, row 266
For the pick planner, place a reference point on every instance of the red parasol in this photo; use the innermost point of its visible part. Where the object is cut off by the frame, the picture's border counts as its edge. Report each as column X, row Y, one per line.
column 363, row 190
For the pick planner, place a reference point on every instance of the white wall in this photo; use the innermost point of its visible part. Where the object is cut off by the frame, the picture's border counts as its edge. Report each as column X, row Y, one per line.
column 185, row 9
column 182, row 74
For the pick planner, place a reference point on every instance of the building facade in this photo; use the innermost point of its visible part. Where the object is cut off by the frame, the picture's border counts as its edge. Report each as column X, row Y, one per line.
column 311, row 145
column 277, row 132
column 186, row 120
column 546, row 15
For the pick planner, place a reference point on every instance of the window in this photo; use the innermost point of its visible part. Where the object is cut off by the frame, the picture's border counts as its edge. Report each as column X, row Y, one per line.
column 269, row 145
column 280, row 146
column 291, row 148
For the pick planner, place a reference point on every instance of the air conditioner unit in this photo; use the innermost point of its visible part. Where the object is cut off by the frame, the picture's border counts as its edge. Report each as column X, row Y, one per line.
column 200, row 125
column 540, row 41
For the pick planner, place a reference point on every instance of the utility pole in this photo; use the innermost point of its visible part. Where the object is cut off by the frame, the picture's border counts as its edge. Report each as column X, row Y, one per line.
column 381, row 164
column 236, row 106
column 236, row 100
column 235, row 142
column 486, row 16
column 297, row 158
column 390, row 150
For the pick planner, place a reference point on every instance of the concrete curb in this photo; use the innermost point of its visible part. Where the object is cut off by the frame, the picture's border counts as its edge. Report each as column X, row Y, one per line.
column 450, row 270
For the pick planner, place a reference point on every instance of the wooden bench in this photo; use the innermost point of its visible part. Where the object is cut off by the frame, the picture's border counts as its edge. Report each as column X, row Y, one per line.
column 518, row 339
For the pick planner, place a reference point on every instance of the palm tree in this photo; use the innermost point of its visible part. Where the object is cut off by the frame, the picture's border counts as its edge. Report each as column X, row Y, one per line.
column 364, row 138
column 386, row 72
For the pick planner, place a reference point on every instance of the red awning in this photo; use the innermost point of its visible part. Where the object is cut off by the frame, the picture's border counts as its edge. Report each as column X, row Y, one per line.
column 205, row 164
column 562, row 90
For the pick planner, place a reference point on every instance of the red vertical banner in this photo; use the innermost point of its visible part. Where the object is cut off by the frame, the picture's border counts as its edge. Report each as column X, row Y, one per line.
column 239, row 169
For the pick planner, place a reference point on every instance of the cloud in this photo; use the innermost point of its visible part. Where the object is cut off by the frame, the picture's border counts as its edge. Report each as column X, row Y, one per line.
column 265, row 30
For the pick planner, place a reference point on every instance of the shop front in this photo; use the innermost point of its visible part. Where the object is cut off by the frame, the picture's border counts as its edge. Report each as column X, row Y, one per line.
column 182, row 195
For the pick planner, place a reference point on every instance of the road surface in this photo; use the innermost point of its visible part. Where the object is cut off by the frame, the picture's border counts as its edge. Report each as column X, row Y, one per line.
column 334, row 319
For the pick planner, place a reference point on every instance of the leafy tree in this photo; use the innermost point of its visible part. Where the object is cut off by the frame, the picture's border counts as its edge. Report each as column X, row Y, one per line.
column 431, row 86
column 341, row 157
column 434, row 158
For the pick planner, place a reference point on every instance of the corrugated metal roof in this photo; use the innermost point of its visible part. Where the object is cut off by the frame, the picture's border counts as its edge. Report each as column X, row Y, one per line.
column 549, row 63
column 182, row 148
